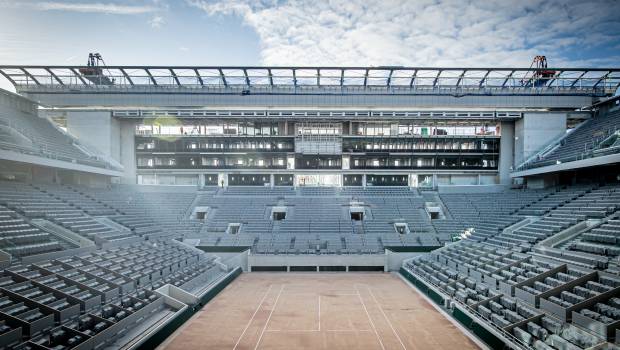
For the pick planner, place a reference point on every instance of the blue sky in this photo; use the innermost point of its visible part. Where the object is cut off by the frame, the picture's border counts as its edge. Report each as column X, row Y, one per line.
column 278, row 32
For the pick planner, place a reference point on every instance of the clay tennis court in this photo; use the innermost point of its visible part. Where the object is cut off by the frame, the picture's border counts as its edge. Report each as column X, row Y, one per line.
column 318, row 311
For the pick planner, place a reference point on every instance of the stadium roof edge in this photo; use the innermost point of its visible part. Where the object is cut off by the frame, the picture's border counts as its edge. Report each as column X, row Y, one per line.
column 601, row 81
column 593, row 69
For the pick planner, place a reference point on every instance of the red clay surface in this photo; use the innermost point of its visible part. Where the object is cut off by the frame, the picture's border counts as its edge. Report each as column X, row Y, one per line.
column 318, row 311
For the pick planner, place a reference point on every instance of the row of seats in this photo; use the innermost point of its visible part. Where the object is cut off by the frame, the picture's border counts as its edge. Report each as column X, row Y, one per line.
column 484, row 278
column 584, row 141
column 23, row 131
column 64, row 302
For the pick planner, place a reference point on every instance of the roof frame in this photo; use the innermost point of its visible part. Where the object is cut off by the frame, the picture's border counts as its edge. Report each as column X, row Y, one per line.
column 592, row 80
column 29, row 75
column 127, row 77
column 484, row 78
column 148, row 72
column 601, row 79
column 199, row 77
column 508, row 78
column 458, row 82
column 222, row 76
column 413, row 77
column 79, row 76
column 579, row 78
column 55, row 76
column 437, row 77
column 174, row 76
column 247, row 77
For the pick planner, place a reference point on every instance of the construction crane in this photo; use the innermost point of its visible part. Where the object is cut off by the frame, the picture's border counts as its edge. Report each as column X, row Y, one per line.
column 94, row 72
column 540, row 75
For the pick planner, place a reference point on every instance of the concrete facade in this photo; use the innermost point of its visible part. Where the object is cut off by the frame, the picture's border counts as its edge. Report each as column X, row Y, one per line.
column 96, row 129
column 506, row 151
column 535, row 131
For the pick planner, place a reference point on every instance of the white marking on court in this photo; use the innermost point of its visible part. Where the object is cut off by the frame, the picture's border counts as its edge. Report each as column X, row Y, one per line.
column 269, row 318
column 315, row 330
column 370, row 319
column 319, row 312
column 386, row 318
column 252, row 318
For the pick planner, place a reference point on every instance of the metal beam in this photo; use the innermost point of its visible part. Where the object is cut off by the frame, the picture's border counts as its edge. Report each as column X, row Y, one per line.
column 578, row 78
column 55, row 76
column 389, row 78
column 601, row 79
column 484, row 78
column 458, row 82
column 247, row 78
column 270, row 76
column 294, row 77
column 148, row 72
column 8, row 77
column 342, row 77
column 202, row 83
column 508, row 78
column 555, row 77
column 223, row 77
column 437, row 77
column 366, row 77
column 30, row 76
column 174, row 75
column 127, row 77
column 413, row 76
column 318, row 77
column 77, row 74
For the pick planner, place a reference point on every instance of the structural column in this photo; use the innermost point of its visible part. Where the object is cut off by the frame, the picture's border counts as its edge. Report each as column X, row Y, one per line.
column 506, row 151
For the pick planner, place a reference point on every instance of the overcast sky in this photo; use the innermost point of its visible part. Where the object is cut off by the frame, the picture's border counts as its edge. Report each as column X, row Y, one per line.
column 315, row 32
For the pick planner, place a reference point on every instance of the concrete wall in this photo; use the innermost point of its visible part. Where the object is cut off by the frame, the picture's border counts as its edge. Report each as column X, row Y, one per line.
column 540, row 182
column 27, row 172
column 96, row 129
column 506, row 151
column 127, row 150
column 536, row 130
column 472, row 189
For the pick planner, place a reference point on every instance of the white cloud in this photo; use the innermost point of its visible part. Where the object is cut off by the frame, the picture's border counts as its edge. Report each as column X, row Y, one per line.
column 425, row 32
column 157, row 21
column 85, row 7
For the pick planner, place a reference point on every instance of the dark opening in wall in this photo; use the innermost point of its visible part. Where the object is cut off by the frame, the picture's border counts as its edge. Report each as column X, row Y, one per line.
column 365, row 268
column 434, row 215
column 357, row 216
column 333, row 268
column 234, row 228
column 279, row 215
column 401, row 228
column 211, row 180
column 268, row 268
column 303, row 268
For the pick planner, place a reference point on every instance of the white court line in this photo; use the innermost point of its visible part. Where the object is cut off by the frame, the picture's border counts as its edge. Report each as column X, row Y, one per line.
column 386, row 318
column 319, row 312
column 269, row 318
column 370, row 319
column 252, row 319
column 315, row 330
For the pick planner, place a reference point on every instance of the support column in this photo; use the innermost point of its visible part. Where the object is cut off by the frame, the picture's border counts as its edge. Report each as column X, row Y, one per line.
column 506, row 152
column 364, row 180
column 271, row 180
